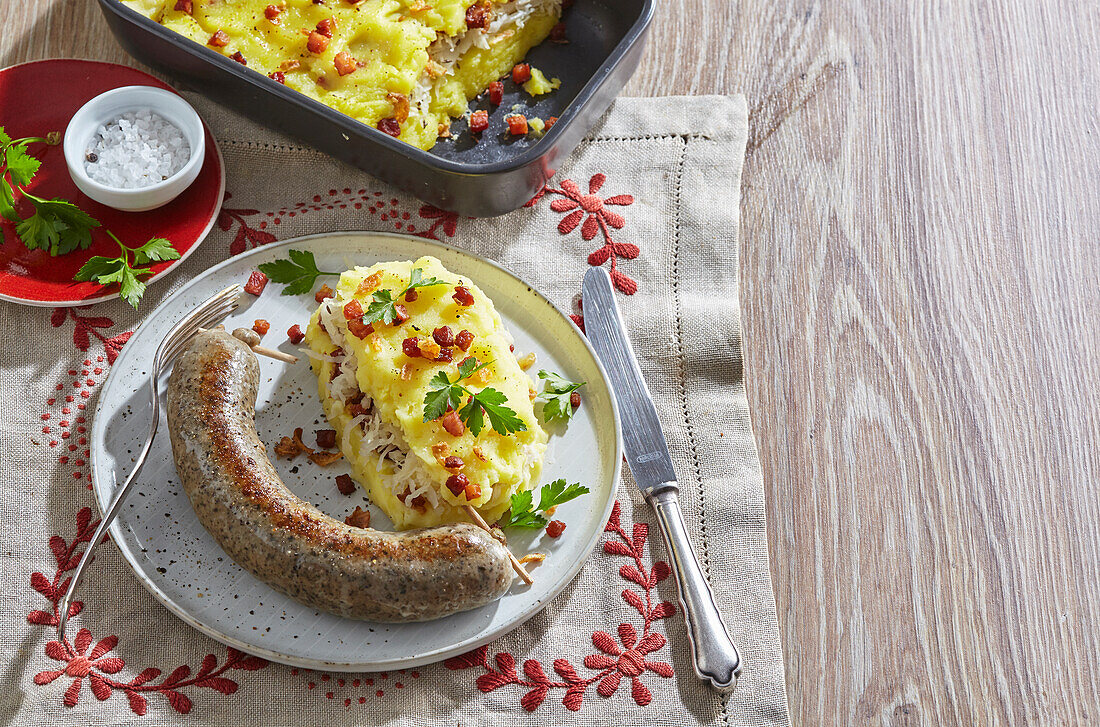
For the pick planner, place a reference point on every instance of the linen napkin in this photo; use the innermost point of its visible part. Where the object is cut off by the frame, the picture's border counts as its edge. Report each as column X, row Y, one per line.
column 652, row 195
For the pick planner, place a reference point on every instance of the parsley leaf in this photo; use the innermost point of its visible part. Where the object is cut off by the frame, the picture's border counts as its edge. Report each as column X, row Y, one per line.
column 522, row 514
column 56, row 226
column 416, row 280
column 21, row 165
column 383, row 307
column 503, row 420
column 555, row 397
column 297, row 275
column 444, row 393
column 117, row 270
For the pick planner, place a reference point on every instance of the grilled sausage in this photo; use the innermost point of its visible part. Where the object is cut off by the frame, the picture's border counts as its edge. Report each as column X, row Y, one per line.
column 289, row 544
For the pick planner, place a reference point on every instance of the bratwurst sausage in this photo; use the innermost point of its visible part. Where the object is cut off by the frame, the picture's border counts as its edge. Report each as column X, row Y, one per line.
column 289, row 544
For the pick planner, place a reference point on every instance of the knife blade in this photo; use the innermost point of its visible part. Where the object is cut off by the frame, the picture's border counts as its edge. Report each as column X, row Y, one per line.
column 714, row 655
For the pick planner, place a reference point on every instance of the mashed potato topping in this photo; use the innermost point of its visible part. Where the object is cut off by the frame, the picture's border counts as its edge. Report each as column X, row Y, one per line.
column 373, row 393
column 406, row 67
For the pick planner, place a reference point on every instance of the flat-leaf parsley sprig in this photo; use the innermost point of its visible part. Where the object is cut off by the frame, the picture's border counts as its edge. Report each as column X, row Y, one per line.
column 556, row 397
column 383, row 305
column 297, row 275
column 57, row 226
column 488, row 402
column 111, row 270
column 523, row 515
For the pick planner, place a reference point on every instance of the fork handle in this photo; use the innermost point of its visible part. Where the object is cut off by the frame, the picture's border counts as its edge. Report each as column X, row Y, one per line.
column 714, row 655
column 108, row 516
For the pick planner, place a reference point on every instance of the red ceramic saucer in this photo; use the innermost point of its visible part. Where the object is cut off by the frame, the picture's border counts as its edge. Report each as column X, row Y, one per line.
column 39, row 97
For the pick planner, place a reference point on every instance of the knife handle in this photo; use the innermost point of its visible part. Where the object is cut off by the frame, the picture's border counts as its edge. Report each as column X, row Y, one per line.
column 714, row 655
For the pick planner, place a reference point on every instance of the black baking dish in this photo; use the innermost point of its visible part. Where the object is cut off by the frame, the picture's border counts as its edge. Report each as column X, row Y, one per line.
column 494, row 176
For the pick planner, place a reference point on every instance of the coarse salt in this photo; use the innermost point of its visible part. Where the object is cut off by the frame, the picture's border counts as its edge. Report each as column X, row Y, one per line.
column 139, row 149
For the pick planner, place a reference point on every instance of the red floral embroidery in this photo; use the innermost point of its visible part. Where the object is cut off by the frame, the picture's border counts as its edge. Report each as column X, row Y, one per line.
column 614, row 661
column 593, row 209
column 447, row 220
column 86, row 325
column 246, row 236
column 97, row 666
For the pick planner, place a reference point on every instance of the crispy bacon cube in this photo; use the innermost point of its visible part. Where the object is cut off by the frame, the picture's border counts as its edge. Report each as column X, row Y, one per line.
column 257, row 281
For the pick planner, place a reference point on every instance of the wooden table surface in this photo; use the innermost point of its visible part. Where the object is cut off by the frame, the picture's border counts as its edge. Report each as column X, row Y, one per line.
column 920, row 274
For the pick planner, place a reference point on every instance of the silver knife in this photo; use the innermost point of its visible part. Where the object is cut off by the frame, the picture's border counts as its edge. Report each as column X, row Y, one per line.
column 715, row 657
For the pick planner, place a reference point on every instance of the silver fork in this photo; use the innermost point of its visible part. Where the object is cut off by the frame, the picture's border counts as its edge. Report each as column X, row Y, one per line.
column 207, row 314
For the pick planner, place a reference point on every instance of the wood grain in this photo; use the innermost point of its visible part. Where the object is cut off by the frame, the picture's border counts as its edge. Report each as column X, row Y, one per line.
column 920, row 275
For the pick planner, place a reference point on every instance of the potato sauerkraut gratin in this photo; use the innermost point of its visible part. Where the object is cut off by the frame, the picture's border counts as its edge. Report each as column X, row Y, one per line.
column 402, row 398
column 406, row 67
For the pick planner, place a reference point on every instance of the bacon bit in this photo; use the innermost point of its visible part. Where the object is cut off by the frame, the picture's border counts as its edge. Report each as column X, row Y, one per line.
column 291, row 447
column 359, row 329
column 531, row 392
column 239, row 58
column 496, row 93
column 463, row 296
column 326, row 26
column 457, row 483
column 557, row 34
column 375, row 344
column 294, row 333
column 411, row 295
column 434, row 70
column 355, row 407
column 551, row 510
column 353, row 309
column 220, row 39
column 369, row 284
column 323, row 294
column 272, row 13
column 443, row 336
column 443, row 131
column 555, row 528
column 407, row 372
column 184, row 6
column 261, row 326
column 402, row 314
column 411, row 347
column 345, row 63
column 400, row 106
column 453, row 463
column 419, row 6
column 454, row 426
column 532, row 559
column 464, row 340
column 527, row 361
column 317, row 44
column 256, row 283
column 479, row 14
column 550, row 123
column 521, row 73
column 326, row 438
column 324, row 459
column 441, row 450
column 472, row 492
column 277, row 76
column 430, row 349
column 446, row 355
column 358, row 519
column 417, row 503
column 389, row 126
column 479, row 121
column 517, row 125
column 290, row 65
column 575, row 399
column 480, row 454
column 345, row 484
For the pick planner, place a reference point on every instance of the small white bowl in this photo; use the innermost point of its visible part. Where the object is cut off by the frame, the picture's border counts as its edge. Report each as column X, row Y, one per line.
column 108, row 107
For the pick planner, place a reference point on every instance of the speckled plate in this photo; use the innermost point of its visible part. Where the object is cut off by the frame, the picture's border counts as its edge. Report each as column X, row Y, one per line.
column 177, row 560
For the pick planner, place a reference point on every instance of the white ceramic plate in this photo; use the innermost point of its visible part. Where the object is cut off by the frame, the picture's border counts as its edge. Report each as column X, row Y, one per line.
column 182, row 565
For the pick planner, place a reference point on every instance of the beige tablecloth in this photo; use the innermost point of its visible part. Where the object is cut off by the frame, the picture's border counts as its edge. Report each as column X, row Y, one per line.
column 653, row 196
